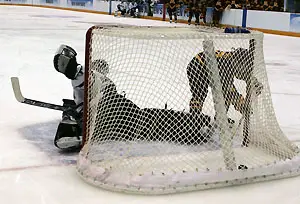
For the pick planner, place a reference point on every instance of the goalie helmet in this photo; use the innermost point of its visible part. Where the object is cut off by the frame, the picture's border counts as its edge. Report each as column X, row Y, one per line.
column 65, row 61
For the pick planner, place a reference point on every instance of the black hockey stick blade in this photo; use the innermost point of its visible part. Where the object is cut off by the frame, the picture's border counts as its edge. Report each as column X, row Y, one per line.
column 18, row 95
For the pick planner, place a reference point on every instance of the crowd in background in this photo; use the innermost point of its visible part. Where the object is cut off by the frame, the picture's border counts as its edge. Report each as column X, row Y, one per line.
column 196, row 9
column 135, row 8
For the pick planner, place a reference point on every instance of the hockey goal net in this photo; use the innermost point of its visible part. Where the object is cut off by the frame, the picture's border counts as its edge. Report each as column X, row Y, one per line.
column 172, row 109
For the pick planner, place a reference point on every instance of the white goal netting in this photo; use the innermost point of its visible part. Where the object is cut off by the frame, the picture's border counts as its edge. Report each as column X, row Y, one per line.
column 172, row 109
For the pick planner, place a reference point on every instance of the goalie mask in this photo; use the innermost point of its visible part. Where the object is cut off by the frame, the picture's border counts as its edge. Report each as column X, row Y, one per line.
column 65, row 61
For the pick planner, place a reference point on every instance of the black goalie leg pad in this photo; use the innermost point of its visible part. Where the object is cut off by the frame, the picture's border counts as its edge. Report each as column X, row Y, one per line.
column 68, row 136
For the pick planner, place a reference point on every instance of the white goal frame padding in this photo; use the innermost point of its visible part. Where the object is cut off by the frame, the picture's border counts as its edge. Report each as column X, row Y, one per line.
column 185, row 181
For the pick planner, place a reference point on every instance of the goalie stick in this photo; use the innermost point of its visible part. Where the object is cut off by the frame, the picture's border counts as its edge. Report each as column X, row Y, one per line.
column 20, row 98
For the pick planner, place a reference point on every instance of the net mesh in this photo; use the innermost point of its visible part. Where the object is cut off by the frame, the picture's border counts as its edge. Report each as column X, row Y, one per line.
column 172, row 109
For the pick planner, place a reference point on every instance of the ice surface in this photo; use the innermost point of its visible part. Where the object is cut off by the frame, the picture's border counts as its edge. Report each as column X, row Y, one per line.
column 33, row 171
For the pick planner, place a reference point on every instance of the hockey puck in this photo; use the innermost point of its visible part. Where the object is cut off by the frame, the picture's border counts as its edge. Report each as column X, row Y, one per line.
column 242, row 167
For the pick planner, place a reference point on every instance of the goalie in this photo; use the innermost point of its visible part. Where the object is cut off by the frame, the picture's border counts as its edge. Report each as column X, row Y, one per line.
column 232, row 64
column 69, row 131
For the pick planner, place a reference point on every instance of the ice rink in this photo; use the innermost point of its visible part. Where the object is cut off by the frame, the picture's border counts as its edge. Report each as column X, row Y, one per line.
column 33, row 171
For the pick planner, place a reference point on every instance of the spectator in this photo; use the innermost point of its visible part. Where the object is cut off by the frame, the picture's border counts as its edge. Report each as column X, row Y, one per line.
column 266, row 6
column 197, row 13
column 190, row 10
column 227, row 4
column 217, row 13
column 193, row 10
column 122, row 7
column 203, row 11
column 248, row 5
column 172, row 9
column 181, row 7
column 235, row 5
column 277, row 6
column 256, row 5
column 133, row 9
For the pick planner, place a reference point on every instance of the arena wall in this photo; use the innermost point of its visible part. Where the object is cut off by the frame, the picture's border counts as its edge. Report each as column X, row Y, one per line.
column 281, row 23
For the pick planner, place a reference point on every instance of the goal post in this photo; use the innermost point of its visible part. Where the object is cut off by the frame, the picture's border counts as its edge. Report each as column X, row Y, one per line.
column 248, row 98
column 219, row 105
column 174, row 109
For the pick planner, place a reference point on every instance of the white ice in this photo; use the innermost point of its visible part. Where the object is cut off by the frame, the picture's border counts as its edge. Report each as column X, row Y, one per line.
column 33, row 171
